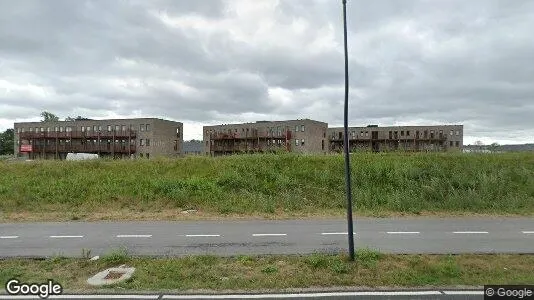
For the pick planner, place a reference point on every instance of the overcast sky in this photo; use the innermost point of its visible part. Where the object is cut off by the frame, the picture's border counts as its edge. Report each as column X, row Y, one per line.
column 208, row 62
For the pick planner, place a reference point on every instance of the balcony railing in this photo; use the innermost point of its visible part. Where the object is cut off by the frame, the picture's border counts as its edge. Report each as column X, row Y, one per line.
column 251, row 135
column 79, row 135
column 398, row 138
column 87, row 148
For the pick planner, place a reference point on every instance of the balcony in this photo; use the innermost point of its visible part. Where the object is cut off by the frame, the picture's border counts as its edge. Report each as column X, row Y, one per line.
column 78, row 135
column 87, row 148
column 251, row 135
column 393, row 138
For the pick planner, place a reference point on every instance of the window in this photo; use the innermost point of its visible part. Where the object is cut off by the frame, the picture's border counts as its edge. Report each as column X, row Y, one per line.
column 148, row 155
column 148, row 142
column 109, row 128
column 297, row 128
column 450, row 144
column 147, row 129
column 99, row 127
column 142, row 127
column 176, row 145
column 22, row 129
column 322, row 144
column 141, row 142
column 178, row 132
column 31, row 129
column 457, row 144
column 95, row 128
column 36, row 129
column 296, row 142
column 451, row 133
column 117, row 128
column 302, row 128
column 69, row 129
column 457, row 132
column 402, row 133
column 60, row 128
column 83, row 129
column 47, row 129
column 367, row 133
column 408, row 133
column 123, row 127
column 302, row 142
column 361, row 133
column 42, row 129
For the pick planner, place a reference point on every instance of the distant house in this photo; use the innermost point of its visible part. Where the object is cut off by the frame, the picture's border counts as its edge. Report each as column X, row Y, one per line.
column 192, row 147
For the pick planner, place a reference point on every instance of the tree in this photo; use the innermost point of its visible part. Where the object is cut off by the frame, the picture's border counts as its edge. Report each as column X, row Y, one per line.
column 7, row 141
column 49, row 117
column 78, row 118
column 494, row 147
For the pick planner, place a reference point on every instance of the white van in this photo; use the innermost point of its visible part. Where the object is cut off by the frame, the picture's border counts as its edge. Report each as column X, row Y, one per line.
column 81, row 156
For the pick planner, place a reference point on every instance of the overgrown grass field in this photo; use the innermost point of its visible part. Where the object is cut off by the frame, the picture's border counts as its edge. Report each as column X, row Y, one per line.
column 271, row 185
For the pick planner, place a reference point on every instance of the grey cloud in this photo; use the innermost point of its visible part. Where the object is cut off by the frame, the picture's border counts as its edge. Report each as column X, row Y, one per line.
column 446, row 61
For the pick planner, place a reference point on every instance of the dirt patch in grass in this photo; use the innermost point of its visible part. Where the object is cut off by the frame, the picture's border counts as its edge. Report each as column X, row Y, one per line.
column 260, row 273
column 178, row 215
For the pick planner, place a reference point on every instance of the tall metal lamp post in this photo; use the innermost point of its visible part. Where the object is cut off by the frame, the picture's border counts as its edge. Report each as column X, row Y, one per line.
column 346, row 139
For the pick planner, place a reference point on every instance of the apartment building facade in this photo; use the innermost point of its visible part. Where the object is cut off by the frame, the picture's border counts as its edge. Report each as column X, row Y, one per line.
column 301, row 136
column 116, row 138
column 395, row 138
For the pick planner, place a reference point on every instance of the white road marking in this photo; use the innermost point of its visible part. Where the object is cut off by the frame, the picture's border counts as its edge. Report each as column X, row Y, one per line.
column 463, row 292
column 202, row 235
column 269, row 234
column 403, row 232
column 305, row 295
column 65, row 236
column 336, row 233
column 134, row 235
column 151, row 297
column 471, row 232
column 528, row 232
column 9, row 237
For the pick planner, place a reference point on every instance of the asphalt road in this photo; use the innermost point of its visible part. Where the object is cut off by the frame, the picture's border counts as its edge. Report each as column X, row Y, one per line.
column 416, row 235
column 371, row 295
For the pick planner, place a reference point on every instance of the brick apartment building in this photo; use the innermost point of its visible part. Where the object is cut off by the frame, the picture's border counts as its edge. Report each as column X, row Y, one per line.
column 301, row 136
column 117, row 138
column 392, row 138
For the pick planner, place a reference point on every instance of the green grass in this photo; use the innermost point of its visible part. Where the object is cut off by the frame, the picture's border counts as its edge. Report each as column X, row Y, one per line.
column 278, row 272
column 272, row 185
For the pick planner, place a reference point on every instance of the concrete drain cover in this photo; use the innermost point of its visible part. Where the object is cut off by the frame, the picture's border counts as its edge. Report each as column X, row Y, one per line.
column 111, row 276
